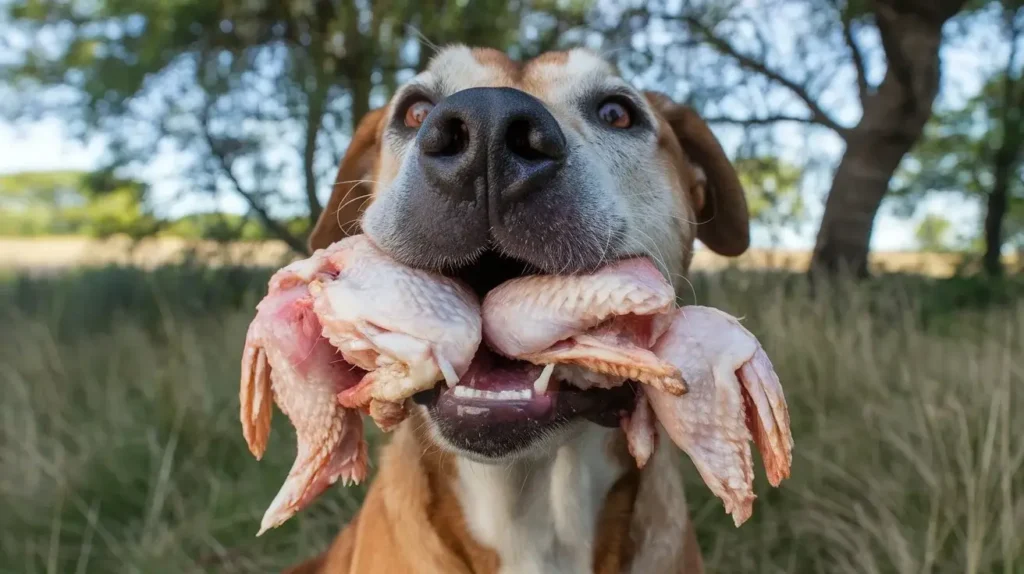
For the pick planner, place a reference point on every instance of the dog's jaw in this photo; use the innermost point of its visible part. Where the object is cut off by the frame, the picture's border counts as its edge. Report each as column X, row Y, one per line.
column 541, row 514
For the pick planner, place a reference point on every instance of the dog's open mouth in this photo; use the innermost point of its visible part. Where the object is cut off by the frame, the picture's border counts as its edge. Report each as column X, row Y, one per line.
column 501, row 390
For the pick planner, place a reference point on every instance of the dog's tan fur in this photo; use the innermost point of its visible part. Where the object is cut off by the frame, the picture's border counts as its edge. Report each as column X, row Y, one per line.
column 581, row 505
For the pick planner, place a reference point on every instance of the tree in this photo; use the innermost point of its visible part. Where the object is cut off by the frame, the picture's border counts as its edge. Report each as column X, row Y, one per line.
column 977, row 150
column 71, row 202
column 773, row 192
column 248, row 97
column 805, row 63
column 933, row 233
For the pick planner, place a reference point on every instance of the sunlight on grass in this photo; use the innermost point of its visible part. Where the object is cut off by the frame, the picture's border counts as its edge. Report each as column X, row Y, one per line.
column 121, row 448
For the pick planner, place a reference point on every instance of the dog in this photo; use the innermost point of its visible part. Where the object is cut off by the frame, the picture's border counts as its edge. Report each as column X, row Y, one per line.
column 487, row 169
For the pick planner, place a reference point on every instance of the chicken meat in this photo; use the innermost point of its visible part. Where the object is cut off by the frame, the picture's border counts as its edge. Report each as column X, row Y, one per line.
column 604, row 324
column 349, row 331
column 344, row 331
column 708, row 381
column 734, row 397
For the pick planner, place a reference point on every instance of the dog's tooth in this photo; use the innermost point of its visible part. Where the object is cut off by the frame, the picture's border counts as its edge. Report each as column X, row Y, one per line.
column 540, row 386
column 464, row 392
column 358, row 345
column 448, row 371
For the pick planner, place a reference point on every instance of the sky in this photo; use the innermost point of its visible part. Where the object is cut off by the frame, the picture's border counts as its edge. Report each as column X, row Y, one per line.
column 45, row 145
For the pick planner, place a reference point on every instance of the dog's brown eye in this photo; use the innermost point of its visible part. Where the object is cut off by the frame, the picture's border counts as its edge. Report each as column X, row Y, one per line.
column 615, row 114
column 417, row 112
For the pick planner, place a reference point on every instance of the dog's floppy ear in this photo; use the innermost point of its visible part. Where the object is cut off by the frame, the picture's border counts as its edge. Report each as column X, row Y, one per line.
column 350, row 191
column 723, row 223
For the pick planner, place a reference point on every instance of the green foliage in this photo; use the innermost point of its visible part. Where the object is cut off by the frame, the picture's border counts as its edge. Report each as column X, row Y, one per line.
column 956, row 153
column 67, row 202
column 100, row 205
column 226, row 227
column 977, row 148
column 933, row 233
column 249, row 93
column 773, row 191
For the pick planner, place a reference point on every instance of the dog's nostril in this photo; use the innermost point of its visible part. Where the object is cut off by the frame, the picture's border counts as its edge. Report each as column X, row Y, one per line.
column 517, row 139
column 450, row 139
column 458, row 137
column 532, row 143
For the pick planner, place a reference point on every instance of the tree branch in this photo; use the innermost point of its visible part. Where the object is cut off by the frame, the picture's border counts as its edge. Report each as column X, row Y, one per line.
column 818, row 114
column 315, row 104
column 897, row 64
column 271, row 224
column 760, row 121
column 863, row 88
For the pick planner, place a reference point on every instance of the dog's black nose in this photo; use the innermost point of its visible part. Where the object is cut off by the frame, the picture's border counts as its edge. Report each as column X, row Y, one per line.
column 493, row 144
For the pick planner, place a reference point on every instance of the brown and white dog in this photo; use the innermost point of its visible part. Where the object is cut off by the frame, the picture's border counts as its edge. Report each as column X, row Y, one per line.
column 485, row 168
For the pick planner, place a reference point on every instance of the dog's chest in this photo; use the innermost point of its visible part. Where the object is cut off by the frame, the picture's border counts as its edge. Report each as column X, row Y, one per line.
column 541, row 515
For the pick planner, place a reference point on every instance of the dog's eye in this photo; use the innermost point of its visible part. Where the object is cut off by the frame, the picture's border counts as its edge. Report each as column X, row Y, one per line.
column 615, row 114
column 417, row 112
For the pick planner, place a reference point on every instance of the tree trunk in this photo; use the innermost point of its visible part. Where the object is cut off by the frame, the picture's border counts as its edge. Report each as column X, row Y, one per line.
column 1007, row 156
column 315, row 114
column 1004, row 167
column 893, row 120
column 998, row 199
column 859, row 184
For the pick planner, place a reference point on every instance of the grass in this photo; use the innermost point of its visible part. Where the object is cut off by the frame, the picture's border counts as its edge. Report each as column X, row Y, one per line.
column 120, row 447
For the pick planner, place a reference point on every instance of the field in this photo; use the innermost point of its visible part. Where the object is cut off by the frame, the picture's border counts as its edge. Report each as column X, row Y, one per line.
column 121, row 451
column 40, row 255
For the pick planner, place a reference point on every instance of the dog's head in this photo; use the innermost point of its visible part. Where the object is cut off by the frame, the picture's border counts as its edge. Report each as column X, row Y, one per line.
column 488, row 169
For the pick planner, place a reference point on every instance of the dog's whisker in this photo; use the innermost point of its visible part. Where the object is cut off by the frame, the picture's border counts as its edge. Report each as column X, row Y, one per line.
column 423, row 38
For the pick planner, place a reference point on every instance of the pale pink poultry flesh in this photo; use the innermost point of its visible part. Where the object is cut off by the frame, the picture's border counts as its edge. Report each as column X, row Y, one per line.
column 408, row 327
column 344, row 321
column 348, row 331
column 604, row 323
column 734, row 397
column 733, row 394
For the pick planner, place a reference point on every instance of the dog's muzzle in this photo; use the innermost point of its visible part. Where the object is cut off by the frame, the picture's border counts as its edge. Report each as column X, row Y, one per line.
column 491, row 170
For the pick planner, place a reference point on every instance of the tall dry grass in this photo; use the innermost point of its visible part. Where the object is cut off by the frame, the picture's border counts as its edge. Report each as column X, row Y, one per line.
column 120, row 447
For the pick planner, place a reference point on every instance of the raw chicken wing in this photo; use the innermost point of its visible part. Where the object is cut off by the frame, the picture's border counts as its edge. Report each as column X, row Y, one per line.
column 342, row 329
column 604, row 324
column 285, row 355
column 409, row 327
column 734, row 396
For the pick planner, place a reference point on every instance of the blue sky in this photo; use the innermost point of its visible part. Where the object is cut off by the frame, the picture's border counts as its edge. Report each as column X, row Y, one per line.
column 45, row 145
